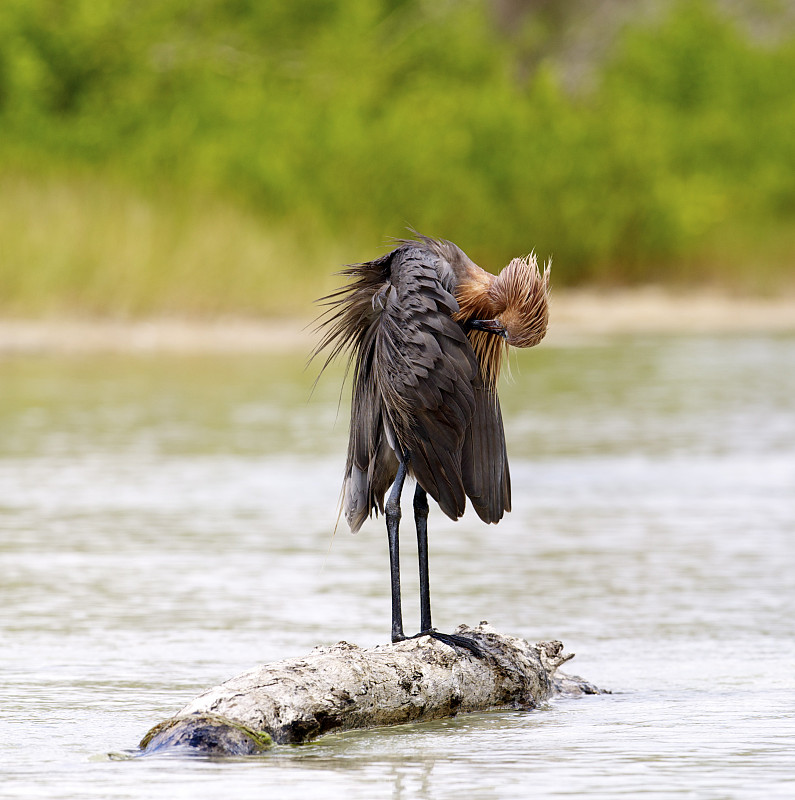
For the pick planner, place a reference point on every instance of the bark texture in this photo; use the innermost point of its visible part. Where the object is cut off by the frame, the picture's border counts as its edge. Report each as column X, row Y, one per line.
column 345, row 687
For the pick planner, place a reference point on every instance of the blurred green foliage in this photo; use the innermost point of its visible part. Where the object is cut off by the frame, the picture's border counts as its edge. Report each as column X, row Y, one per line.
column 350, row 119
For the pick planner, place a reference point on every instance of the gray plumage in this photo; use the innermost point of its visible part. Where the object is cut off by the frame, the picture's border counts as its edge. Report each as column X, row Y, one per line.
column 424, row 381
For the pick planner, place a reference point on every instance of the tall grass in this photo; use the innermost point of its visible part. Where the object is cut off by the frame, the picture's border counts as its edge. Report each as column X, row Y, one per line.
column 82, row 245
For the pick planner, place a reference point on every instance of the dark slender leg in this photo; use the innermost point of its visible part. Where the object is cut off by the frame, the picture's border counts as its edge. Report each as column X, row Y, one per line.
column 392, row 510
column 421, row 520
column 452, row 639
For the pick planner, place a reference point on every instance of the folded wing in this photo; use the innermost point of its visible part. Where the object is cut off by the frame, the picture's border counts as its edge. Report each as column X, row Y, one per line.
column 418, row 392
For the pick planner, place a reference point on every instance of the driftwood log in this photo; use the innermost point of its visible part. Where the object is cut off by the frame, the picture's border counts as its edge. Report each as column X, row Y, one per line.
column 345, row 687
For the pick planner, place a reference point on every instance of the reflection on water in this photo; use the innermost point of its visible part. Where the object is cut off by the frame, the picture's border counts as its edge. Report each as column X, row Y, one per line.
column 168, row 522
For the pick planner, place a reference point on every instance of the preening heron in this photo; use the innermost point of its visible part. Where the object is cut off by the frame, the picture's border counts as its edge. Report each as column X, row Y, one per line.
column 425, row 330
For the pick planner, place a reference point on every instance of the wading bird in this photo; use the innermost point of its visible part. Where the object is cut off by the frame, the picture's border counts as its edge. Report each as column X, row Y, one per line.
column 426, row 330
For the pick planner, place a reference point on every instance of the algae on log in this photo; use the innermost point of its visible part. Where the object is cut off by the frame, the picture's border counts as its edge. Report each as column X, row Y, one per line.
column 345, row 687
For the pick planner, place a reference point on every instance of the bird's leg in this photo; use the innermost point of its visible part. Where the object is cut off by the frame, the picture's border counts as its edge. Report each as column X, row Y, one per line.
column 452, row 639
column 392, row 512
column 421, row 520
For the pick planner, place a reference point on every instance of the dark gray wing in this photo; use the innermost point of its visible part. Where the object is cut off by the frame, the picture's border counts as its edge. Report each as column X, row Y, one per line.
column 425, row 369
column 417, row 388
column 484, row 460
column 350, row 324
column 372, row 464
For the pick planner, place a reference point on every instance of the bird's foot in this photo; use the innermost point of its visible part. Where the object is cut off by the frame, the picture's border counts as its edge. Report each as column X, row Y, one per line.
column 455, row 640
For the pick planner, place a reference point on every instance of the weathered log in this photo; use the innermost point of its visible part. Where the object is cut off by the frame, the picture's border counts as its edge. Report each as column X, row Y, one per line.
column 345, row 687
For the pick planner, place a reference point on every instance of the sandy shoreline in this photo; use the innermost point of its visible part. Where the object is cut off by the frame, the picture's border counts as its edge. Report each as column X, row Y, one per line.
column 574, row 316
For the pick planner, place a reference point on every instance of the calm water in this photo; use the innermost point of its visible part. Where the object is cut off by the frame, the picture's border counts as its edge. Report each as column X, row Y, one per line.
column 166, row 523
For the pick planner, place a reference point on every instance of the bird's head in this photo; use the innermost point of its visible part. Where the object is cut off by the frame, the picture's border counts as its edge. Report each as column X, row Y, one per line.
column 520, row 296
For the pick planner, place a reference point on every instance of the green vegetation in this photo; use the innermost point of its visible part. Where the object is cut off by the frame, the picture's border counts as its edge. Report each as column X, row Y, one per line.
column 207, row 156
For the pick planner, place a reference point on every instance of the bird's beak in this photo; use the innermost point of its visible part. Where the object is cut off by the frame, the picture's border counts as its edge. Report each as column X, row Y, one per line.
column 490, row 326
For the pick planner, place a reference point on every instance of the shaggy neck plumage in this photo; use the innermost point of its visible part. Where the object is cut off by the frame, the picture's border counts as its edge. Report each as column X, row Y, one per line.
column 475, row 302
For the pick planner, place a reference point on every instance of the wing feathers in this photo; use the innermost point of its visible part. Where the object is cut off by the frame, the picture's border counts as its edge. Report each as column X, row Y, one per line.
column 418, row 389
column 484, row 459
